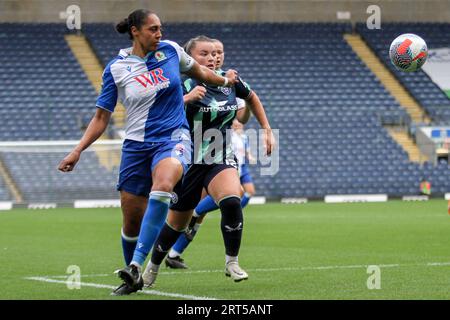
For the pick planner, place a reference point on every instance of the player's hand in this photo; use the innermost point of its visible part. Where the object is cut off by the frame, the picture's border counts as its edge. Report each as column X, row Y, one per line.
column 232, row 77
column 198, row 93
column 69, row 162
column 269, row 141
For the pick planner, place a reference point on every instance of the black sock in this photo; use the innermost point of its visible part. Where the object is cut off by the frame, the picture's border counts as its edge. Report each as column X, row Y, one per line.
column 232, row 223
column 193, row 222
column 166, row 239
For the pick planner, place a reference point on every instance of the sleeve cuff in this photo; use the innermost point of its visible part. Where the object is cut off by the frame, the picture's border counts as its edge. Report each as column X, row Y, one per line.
column 104, row 108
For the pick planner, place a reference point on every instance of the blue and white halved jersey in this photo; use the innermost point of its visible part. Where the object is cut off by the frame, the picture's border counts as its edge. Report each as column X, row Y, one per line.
column 150, row 90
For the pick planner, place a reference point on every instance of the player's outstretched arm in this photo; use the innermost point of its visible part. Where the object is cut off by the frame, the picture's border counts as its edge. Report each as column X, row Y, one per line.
column 203, row 74
column 243, row 115
column 95, row 129
column 258, row 111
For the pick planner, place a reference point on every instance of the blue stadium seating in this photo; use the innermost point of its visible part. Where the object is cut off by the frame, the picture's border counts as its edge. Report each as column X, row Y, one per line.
column 45, row 93
column 342, row 154
column 38, row 179
column 329, row 107
column 288, row 64
column 45, row 96
column 4, row 193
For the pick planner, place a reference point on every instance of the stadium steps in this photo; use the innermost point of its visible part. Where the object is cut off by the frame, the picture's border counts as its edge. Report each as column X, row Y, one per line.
column 389, row 81
column 401, row 136
column 10, row 184
column 93, row 70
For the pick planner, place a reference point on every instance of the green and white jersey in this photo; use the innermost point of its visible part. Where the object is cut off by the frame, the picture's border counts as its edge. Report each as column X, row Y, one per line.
column 216, row 110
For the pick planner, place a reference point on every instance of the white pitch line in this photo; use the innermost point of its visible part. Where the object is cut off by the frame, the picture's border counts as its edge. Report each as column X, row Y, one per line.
column 105, row 286
column 312, row 268
column 433, row 264
column 81, row 276
column 429, row 264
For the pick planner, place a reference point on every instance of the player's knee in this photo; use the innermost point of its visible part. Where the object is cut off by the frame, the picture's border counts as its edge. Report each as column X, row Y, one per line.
column 131, row 227
column 230, row 203
column 133, row 214
column 250, row 190
column 200, row 219
column 231, row 208
column 178, row 226
column 178, row 220
column 164, row 185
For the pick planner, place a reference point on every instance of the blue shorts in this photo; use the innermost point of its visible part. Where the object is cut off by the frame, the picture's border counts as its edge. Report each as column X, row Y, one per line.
column 140, row 158
column 245, row 174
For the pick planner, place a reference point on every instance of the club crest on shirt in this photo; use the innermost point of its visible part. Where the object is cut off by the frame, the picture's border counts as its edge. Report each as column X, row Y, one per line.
column 179, row 149
column 160, row 56
column 225, row 90
column 174, row 197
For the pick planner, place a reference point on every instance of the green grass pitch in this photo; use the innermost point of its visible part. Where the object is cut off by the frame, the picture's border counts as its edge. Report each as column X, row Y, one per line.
column 308, row 251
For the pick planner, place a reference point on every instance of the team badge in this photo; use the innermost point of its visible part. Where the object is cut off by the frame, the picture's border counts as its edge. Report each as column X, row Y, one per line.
column 225, row 90
column 174, row 197
column 159, row 55
column 179, row 149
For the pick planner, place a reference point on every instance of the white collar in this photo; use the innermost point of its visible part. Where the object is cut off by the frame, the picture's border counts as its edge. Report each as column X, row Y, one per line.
column 125, row 52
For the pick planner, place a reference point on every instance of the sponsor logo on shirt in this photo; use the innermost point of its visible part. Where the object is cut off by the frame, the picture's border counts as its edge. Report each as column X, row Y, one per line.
column 218, row 108
column 153, row 79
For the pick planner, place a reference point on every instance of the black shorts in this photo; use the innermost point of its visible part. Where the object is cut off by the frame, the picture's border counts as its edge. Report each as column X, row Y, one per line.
column 197, row 177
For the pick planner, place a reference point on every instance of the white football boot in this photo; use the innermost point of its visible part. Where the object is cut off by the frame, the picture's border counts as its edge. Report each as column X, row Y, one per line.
column 233, row 270
column 149, row 276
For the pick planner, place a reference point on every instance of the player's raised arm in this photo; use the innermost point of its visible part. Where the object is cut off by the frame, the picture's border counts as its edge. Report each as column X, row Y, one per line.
column 203, row 74
column 95, row 129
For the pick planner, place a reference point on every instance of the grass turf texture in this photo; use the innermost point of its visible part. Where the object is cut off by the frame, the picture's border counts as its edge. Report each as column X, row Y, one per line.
column 316, row 251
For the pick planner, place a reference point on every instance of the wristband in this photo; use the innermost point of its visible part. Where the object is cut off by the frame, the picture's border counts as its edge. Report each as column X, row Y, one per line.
column 226, row 81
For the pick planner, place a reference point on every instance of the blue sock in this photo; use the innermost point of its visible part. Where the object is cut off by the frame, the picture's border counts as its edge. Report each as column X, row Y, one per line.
column 181, row 243
column 206, row 205
column 153, row 221
column 245, row 199
column 128, row 246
